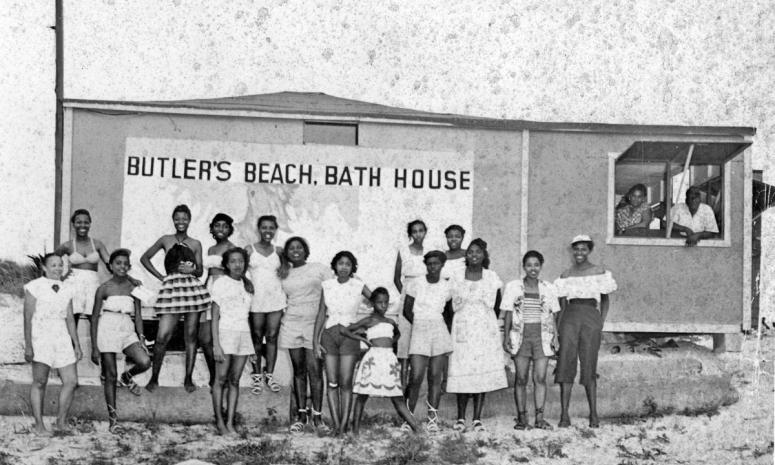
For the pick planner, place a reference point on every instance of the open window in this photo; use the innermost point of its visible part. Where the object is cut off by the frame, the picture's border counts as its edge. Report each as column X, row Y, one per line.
column 647, row 191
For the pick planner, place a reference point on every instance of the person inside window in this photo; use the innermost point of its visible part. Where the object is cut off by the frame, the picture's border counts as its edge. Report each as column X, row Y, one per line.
column 633, row 212
column 694, row 219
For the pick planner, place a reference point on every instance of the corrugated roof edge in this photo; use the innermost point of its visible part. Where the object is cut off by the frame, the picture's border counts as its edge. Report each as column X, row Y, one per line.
column 321, row 105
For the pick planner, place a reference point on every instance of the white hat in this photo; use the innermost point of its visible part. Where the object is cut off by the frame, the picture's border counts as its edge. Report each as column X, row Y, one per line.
column 581, row 238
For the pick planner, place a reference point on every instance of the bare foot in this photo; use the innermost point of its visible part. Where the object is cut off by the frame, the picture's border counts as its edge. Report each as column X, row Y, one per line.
column 221, row 428
column 564, row 422
column 152, row 385
column 62, row 426
column 230, row 430
column 594, row 422
column 189, row 386
column 40, row 430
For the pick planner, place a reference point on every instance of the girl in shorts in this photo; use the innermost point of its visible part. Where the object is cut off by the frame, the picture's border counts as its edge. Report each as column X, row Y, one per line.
column 50, row 339
column 338, row 309
column 112, row 331
column 427, row 301
column 232, row 344
column 378, row 373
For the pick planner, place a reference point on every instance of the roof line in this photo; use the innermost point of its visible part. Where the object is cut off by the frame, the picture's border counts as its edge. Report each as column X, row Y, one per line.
column 414, row 116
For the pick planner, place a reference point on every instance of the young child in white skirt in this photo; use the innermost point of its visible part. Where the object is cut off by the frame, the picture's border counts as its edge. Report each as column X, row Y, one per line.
column 232, row 344
column 379, row 373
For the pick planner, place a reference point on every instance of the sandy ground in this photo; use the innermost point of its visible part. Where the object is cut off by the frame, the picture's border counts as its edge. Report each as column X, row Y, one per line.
column 739, row 433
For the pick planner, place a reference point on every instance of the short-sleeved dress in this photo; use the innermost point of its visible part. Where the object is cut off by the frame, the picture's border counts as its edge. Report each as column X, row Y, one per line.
column 269, row 296
column 453, row 267
column 233, row 309
column 581, row 325
column 51, row 342
column 303, row 288
column 476, row 364
column 412, row 268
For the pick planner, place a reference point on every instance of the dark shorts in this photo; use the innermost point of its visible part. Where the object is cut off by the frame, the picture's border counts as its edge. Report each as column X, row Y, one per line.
column 337, row 343
column 531, row 346
column 580, row 331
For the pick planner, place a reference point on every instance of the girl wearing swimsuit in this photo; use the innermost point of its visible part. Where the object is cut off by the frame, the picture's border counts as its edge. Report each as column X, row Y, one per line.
column 83, row 254
column 181, row 293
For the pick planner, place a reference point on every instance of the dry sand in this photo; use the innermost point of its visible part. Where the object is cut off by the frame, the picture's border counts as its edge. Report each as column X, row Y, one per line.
column 739, row 433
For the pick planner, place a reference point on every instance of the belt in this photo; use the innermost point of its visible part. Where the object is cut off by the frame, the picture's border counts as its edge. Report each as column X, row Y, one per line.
column 114, row 311
column 592, row 302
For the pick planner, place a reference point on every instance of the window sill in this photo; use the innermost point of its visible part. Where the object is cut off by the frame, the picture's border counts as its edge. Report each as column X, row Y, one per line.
column 665, row 242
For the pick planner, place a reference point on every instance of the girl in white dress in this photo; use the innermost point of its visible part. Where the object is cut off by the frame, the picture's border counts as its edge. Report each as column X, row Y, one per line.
column 50, row 339
column 476, row 364
column 378, row 373
column 268, row 304
column 409, row 267
column 232, row 344
column 456, row 255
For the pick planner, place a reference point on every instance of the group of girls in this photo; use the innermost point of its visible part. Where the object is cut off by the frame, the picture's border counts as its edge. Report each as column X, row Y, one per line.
column 444, row 325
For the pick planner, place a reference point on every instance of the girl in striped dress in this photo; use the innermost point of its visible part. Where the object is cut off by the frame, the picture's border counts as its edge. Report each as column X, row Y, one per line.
column 181, row 293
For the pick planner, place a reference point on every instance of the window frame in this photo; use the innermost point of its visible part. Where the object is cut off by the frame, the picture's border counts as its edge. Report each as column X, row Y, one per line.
column 612, row 239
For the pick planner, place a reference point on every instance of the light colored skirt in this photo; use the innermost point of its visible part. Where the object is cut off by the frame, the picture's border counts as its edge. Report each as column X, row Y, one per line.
column 476, row 364
column 378, row 374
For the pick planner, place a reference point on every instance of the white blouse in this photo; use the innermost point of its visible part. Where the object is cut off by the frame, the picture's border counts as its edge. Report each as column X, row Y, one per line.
column 585, row 287
column 49, row 304
column 342, row 301
column 429, row 299
column 233, row 304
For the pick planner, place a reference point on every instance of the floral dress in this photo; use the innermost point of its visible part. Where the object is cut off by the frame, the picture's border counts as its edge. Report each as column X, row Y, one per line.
column 476, row 364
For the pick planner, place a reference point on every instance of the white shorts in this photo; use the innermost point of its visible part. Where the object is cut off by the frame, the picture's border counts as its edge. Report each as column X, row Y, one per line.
column 115, row 332
column 85, row 284
column 236, row 342
column 51, row 343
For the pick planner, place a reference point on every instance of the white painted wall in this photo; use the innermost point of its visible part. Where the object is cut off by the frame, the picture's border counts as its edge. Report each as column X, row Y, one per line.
column 692, row 62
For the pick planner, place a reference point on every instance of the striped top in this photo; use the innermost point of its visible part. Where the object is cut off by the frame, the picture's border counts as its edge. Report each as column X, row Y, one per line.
column 531, row 308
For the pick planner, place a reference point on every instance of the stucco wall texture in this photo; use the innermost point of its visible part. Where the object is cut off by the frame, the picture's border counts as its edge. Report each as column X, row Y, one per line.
column 647, row 62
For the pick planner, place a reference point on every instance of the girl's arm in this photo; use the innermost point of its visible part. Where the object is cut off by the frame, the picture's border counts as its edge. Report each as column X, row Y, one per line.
column 199, row 270
column 139, row 320
column 70, row 320
column 409, row 308
column 366, row 292
column 319, row 322
column 95, row 321
column 145, row 260
column 603, row 306
column 397, row 273
column 558, row 315
column 216, row 322
column 29, row 310
column 507, row 320
column 497, row 309
column 102, row 251
column 448, row 314
column 363, row 324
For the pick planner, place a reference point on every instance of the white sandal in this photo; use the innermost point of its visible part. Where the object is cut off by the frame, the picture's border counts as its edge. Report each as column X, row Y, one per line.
column 322, row 426
column 271, row 383
column 298, row 426
column 257, row 383
column 432, row 426
column 460, row 425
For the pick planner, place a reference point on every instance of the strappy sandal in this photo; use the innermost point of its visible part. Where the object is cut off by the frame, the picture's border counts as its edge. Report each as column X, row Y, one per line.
column 433, row 417
column 521, row 423
column 405, row 427
column 321, row 426
column 256, row 383
column 271, row 383
column 460, row 425
column 298, row 426
column 126, row 380
column 540, row 423
column 478, row 426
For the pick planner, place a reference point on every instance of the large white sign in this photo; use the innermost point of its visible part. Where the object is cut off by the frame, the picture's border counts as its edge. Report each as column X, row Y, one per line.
column 336, row 197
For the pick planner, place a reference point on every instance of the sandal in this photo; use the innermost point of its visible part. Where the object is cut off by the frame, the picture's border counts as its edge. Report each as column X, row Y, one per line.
column 478, row 426
column 405, row 427
column 432, row 426
column 256, row 383
column 460, row 425
column 322, row 427
column 540, row 423
column 271, row 383
column 521, row 424
column 126, row 380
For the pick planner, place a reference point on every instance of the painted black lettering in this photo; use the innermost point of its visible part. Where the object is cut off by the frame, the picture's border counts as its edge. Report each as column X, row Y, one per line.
column 331, row 175
column 305, row 174
column 224, row 173
column 400, row 178
column 250, row 172
column 132, row 166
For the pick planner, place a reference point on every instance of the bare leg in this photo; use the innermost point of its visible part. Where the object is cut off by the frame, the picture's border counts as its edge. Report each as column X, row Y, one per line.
column 346, row 368
column 539, row 387
column 478, row 405
column 299, row 391
column 136, row 352
column 272, row 329
column 419, row 366
column 400, row 405
column 520, row 390
column 190, row 333
column 332, row 374
column 591, row 389
column 205, row 341
column 360, row 402
column 565, row 392
column 315, row 381
column 435, row 368
column 221, row 379
column 38, row 393
column 108, row 361
column 167, row 324
column 405, row 374
column 235, row 372
column 462, row 404
column 69, row 377
column 258, row 325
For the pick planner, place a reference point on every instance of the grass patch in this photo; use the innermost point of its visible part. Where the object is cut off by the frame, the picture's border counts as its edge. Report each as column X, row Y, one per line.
column 13, row 276
column 456, row 449
column 406, row 450
column 7, row 459
column 551, row 449
column 262, row 452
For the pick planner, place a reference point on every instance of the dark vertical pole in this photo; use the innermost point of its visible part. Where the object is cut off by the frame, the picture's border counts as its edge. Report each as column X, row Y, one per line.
column 59, row 131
